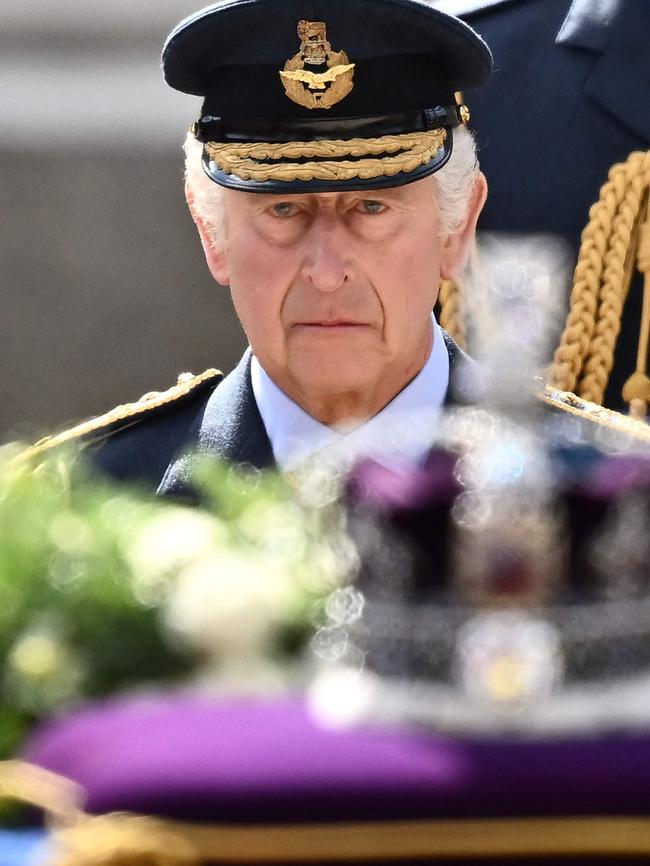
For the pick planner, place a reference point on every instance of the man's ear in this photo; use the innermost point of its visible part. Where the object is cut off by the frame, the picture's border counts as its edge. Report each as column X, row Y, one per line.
column 455, row 250
column 214, row 247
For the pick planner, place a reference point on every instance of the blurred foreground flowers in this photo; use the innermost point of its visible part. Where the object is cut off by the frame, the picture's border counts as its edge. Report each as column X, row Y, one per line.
column 104, row 589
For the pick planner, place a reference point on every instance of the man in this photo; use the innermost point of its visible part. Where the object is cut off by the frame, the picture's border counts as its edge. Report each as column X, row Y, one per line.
column 333, row 185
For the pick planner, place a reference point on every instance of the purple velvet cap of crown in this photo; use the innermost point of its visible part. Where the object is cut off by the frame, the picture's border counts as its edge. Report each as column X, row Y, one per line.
column 408, row 486
column 619, row 475
column 413, row 502
column 389, row 487
column 269, row 762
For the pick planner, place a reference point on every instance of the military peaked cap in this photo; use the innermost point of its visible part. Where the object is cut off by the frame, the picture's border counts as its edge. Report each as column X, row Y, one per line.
column 324, row 95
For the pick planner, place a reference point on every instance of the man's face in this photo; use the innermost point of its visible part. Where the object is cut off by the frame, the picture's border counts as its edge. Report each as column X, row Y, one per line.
column 335, row 290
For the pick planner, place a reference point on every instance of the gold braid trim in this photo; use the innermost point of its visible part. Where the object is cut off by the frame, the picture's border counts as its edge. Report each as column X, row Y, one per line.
column 601, row 282
column 152, row 400
column 636, row 390
column 123, row 839
column 615, row 283
column 130, row 840
column 452, row 311
column 595, row 413
column 247, row 160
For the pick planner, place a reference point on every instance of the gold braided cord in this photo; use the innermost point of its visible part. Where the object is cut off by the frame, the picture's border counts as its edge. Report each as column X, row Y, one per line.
column 644, row 267
column 452, row 311
column 147, row 403
column 574, row 343
column 637, row 388
column 401, row 153
column 615, row 283
column 585, row 356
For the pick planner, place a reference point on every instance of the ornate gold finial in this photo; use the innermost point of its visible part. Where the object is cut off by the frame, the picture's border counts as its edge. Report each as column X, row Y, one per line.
column 317, row 89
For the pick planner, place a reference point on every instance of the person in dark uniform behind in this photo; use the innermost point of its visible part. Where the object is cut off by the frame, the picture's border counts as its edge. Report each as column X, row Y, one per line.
column 567, row 100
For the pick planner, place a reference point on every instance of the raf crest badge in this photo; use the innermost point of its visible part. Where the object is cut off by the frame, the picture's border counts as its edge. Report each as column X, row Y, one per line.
column 317, row 89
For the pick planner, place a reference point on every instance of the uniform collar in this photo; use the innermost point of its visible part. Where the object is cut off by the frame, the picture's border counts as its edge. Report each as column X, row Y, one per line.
column 229, row 427
column 589, row 24
column 404, row 427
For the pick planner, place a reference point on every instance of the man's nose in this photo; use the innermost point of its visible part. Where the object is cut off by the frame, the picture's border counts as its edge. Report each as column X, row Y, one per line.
column 326, row 263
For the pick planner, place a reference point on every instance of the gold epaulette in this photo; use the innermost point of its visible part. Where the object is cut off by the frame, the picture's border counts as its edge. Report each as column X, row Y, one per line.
column 592, row 412
column 125, row 414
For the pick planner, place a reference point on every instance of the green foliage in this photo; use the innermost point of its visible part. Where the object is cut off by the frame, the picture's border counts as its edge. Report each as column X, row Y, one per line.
column 104, row 588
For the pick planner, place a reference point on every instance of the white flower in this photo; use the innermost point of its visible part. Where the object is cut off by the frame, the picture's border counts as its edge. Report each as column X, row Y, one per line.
column 71, row 533
column 278, row 529
column 171, row 539
column 167, row 543
column 229, row 603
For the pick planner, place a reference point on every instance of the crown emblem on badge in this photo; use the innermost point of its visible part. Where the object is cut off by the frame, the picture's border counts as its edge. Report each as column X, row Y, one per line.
column 321, row 89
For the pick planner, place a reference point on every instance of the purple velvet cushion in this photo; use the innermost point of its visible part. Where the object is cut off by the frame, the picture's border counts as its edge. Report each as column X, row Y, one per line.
column 252, row 761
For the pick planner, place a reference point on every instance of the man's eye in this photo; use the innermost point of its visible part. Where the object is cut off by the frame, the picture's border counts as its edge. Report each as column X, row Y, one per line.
column 284, row 209
column 369, row 205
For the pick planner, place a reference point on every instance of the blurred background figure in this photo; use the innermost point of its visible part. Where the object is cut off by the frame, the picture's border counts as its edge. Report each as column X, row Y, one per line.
column 105, row 294
column 567, row 99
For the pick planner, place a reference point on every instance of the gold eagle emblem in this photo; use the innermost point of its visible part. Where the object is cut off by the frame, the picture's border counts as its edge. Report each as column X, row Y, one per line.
column 317, row 89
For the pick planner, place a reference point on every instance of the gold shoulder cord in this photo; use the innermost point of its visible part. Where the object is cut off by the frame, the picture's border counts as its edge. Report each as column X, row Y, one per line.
column 452, row 311
column 186, row 383
column 617, row 232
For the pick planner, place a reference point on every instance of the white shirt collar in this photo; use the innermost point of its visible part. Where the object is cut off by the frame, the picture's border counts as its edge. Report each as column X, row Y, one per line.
column 405, row 427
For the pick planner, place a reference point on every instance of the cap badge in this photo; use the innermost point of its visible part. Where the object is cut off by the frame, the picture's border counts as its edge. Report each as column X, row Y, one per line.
column 317, row 89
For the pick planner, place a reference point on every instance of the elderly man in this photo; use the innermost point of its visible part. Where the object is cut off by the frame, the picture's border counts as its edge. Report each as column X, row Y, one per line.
column 333, row 184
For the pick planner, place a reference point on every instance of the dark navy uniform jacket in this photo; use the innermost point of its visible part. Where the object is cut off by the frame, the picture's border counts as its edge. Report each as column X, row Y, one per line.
column 568, row 97
column 218, row 417
column 149, row 442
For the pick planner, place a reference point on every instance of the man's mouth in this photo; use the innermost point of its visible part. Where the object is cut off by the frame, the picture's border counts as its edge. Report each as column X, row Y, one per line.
column 331, row 323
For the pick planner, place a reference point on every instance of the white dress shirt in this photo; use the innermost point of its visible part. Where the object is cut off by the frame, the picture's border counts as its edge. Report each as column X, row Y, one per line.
column 405, row 427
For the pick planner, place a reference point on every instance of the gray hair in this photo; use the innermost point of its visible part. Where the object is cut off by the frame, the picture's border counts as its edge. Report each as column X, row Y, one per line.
column 453, row 182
